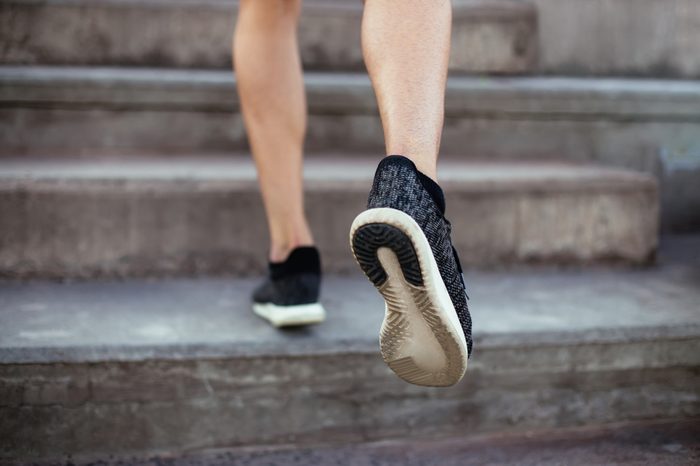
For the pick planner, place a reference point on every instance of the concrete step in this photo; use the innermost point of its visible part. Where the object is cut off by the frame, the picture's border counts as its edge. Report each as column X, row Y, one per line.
column 185, row 216
column 489, row 36
column 141, row 109
column 183, row 365
column 642, row 38
column 661, row 443
column 644, row 125
column 645, row 38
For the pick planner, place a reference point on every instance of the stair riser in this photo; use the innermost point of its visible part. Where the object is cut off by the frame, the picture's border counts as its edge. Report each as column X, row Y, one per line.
column 648, row 38
column 494, row 37
column 90, row 229
column 131, row 407
column 645, row 145
column 610, row 37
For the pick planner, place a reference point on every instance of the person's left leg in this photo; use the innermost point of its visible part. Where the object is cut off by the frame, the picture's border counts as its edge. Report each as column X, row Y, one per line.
column 271, row 89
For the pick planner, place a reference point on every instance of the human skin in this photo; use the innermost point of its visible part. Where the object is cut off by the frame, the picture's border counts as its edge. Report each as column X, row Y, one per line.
column 406, row 46
column 271, row 88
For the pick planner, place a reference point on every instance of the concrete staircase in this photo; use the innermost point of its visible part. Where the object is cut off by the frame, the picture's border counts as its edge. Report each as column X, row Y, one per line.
column 179, row 366
column 131, row 232
column 648, row 126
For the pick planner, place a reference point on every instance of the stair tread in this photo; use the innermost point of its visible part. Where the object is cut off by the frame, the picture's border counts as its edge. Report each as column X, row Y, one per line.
column 145, row 75
column 210, row 318
column 351, row 91
column 335, row 172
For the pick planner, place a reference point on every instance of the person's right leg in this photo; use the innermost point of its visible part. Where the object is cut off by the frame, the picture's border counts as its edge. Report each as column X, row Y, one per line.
column 271, row 89
column 406, row 46
column 402, row 241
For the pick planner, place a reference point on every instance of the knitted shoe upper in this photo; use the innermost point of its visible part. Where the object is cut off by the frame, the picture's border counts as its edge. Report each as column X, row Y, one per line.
column 293, row 282
column 397, row 185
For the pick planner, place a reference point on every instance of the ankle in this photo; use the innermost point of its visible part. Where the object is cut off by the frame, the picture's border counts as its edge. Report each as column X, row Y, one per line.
column 279, row 252
column 426, row 165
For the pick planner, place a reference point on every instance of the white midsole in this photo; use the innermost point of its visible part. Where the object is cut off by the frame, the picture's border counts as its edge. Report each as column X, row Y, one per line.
column 283, row 316
column 432, row 279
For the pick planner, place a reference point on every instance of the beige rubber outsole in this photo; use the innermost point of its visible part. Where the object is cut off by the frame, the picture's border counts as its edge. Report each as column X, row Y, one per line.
column 421, row 338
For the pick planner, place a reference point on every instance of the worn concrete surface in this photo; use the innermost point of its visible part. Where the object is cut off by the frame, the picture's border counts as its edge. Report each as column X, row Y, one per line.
column 134, row 88
column 661, row 443
column 494, row 36
column 619, row 37
column 178, row 366
column 142, row 319
column 680, row 249
column 650, row 38
column 155, row 217
column 645, row 125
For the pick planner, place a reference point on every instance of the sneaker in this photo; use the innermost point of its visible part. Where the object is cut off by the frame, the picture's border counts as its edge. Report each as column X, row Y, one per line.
column 289, row 295
column 402, row 243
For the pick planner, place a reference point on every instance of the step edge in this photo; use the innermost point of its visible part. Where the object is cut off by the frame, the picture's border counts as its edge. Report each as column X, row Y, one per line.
column 351, row 93
column 47, row 74
column 10, row 355
column 546, row 185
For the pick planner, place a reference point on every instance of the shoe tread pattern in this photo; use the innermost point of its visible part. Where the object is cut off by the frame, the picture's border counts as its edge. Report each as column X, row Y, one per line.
column 396, row 330
column 367, row 241
column 396, row 186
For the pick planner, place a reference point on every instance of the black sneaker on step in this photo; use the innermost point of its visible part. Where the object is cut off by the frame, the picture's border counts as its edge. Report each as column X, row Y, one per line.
column 402, row 243
column 289, row 295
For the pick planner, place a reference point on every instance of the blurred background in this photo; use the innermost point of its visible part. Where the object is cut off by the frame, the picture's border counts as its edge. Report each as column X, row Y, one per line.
column 132, row 231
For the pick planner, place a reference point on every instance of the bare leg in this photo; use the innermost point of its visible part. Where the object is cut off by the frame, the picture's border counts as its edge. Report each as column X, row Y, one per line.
column 271, row 89
column 406, row 46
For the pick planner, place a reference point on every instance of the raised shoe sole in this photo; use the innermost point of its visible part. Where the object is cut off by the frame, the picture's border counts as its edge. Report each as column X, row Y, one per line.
column 421, row 337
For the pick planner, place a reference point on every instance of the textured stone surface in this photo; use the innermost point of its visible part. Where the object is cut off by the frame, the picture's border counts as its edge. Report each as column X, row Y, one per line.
column 649, row 126
column 175, row 366
column 497, row 36
column 138, row 320
column 182, row 216
column 661, row 443
column 651, row 38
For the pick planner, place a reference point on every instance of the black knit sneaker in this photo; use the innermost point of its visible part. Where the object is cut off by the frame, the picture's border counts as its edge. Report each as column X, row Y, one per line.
column 289, row 295
column 402, row 243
